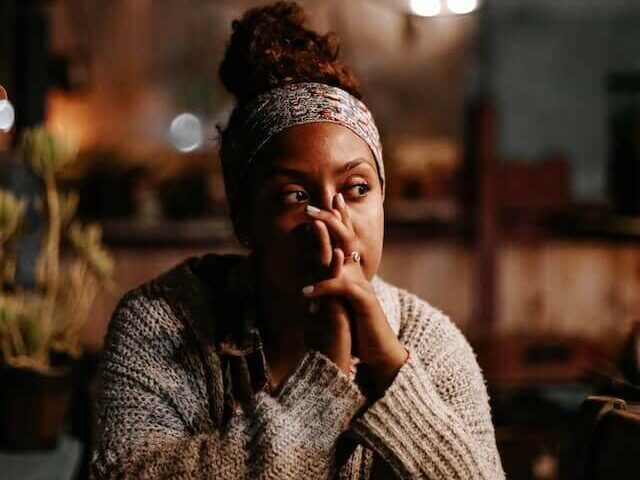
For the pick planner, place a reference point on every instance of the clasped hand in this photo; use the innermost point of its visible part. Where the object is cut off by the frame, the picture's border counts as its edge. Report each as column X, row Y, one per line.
column 348, row 312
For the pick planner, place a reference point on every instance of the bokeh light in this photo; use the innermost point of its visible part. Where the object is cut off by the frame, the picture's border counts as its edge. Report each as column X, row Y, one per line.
column 462, row 6
column 426, row 8
column 7, row 115
column 185, row 132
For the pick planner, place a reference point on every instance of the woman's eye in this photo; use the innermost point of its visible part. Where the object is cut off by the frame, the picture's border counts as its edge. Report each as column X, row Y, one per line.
column 294, row 196
column 359, row 190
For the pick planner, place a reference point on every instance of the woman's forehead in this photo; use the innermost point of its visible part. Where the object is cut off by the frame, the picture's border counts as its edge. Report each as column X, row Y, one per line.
column 315, row 145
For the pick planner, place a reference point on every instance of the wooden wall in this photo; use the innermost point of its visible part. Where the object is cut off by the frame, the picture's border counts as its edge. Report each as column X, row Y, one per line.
column 565, row 287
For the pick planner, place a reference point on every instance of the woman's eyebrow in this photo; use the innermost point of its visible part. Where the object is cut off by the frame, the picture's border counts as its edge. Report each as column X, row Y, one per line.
column 290, row 172
column 353, row 164
column 299, row 174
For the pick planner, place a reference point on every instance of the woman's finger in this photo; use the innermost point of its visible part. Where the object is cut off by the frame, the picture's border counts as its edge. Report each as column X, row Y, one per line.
column 324, row 241
column 336, row 227
column 336, row 213
column 341, row 206
column 338, row 287
column 337, row 263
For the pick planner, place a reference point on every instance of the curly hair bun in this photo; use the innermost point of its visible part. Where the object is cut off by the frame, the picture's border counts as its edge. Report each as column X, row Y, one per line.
column 270, row 47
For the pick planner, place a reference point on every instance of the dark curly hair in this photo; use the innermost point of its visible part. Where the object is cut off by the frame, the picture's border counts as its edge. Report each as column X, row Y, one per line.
column 270, row 47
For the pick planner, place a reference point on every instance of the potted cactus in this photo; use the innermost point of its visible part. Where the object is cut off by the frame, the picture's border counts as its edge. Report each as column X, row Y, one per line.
column 40, row 328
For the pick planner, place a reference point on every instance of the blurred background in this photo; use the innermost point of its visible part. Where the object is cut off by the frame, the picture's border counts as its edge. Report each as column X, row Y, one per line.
column 511, row 131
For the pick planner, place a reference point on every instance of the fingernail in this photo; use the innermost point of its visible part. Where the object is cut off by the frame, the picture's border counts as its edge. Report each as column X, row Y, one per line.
column 308, row 289
column 340, row 200
column 312, row 209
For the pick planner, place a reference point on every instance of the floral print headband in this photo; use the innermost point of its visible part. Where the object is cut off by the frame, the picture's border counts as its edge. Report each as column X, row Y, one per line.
column 253, row 124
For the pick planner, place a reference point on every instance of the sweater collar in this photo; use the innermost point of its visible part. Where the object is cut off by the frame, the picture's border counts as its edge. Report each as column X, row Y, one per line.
column 216, row 297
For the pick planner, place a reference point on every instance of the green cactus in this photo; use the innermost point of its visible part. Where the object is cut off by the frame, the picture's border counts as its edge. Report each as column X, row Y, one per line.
column 46, row 153
column 33, row 325
column 12, row 212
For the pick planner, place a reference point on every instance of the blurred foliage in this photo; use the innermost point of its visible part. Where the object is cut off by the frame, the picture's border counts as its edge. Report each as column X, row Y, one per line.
column 12, row 212
column 38, row 325
column 47, row 154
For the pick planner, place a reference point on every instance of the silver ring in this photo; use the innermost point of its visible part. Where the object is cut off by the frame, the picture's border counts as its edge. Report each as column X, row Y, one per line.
column 355, row 256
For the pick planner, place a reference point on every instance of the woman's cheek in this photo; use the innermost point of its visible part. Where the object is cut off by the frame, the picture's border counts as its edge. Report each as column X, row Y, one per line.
column 369, row 229
column 285, row 232
column 287, row 221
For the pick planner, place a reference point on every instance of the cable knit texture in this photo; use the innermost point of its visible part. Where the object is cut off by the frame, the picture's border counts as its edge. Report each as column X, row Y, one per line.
column 162, row 393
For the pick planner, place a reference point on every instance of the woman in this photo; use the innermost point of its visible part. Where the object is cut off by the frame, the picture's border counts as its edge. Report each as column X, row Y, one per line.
column 296, row 361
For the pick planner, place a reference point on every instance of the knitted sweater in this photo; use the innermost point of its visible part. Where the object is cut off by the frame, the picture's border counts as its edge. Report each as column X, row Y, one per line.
column 165, row 389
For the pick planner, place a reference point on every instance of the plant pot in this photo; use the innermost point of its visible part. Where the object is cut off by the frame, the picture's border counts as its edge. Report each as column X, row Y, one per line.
column 32, row 406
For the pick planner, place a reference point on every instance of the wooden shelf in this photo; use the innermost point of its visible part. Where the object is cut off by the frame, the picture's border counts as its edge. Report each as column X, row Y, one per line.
column 169, row 233
column 404, row 220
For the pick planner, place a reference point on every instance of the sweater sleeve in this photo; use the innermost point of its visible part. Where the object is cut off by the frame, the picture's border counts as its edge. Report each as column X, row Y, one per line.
column 151, row 394
column 433, row 421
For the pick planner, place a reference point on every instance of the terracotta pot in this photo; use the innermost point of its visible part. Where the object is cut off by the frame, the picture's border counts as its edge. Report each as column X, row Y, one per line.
column 33, row 406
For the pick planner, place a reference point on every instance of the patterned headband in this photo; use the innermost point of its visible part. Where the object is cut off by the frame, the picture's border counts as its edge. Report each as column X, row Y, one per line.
column 252, row 125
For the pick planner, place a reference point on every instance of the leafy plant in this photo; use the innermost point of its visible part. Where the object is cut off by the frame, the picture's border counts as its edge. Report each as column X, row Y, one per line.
column 12, row 213
column 36, row 326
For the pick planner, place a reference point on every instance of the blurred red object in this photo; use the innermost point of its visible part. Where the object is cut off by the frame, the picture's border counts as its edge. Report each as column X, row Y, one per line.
column 630, row 358
column 537, row 360
column 543, row 185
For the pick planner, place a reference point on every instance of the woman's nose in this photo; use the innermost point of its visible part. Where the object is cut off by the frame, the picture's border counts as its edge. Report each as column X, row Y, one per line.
column 326, row 201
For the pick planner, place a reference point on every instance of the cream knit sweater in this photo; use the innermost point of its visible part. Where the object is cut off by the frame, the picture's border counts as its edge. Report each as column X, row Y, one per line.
column 160, row 401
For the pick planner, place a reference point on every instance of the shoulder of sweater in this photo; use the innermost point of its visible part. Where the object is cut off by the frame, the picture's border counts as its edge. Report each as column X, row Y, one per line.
column 421, row 326
column 162, row 303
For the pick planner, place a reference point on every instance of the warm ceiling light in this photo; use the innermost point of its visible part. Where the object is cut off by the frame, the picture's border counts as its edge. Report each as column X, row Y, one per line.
column 462, row 6
column 426, row 8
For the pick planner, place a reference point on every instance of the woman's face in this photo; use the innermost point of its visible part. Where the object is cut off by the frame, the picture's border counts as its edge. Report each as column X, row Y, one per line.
column 308, row 165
